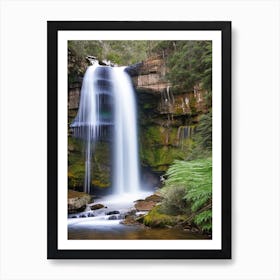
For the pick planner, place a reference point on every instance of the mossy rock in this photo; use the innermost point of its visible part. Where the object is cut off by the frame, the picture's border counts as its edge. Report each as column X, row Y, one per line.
column 159, row 146
column 75, row 146
column 100, row 167
column 159, row 158
column 155, row 219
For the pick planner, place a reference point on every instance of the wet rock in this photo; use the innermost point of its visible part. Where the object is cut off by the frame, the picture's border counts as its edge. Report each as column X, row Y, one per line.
column 138, row 200
column 113, row 212
column 113, row 218
column 90, row 215
column 194, row 230
column 131, row 212
column 154, row 198
column 83, row 216
column 130, row 220
column 77, row 201
column 97, row 206
column 186, row 226
column 133, row 70
column 178, row 226
column 74, row 217
column 144, row 205
column 122, row 216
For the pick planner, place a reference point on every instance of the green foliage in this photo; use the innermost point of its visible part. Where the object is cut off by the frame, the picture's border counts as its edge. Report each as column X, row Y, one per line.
column 189, row 63
column 204, row 220
column 174, row 201
column 164, row 48
column 196, row 177
column 202, row 138
column 77, row 52
column 203, row 134
column 119, row 52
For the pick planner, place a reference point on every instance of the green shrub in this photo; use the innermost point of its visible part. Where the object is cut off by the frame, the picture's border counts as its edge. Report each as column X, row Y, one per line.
column 204, row 220
column 196, row 178
column 174, row 201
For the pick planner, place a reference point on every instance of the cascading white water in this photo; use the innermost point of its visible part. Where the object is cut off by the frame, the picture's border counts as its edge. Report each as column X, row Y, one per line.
column 126, row 166
column 101, row 87
column 85, row 125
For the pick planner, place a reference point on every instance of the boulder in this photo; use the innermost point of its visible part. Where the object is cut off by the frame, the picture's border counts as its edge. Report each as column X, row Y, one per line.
column 113, row 212
column 131, row 220
column 144, row 205
column 148, row 203
column 96, row 206
column 77, row 201
column 138, row 200
column 113, row 217
column 154, row 198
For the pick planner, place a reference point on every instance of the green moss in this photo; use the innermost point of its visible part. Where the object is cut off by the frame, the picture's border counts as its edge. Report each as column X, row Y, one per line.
column 160, row 157
column 100, row 167
column 173, row 139
column 75, row 147
column 100, row 183
column 153, row 149
column 156, row 219
column 192, row 103
column 76, row 167
column 148, row 106
column 159, row 146
column 152, row 135
column 71, row 114
column 76, row 175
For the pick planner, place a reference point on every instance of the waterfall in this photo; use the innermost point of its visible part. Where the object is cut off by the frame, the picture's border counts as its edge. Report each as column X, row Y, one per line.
column 126, row 170
column 107, row 110
column 167, row 101
column 85, row 125
column 184, row 132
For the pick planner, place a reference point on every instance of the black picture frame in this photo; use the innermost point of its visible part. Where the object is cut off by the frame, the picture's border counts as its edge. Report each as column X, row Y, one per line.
column 53, row 27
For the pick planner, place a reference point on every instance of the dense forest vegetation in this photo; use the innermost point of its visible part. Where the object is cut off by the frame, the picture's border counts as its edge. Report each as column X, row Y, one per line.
column 187, row 188
column 189, row 62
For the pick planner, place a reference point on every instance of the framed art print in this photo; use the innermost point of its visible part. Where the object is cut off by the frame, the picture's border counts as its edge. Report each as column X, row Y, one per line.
column 139, row 140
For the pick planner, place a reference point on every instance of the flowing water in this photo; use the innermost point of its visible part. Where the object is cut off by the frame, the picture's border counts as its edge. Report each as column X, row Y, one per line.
column 105, row 223
column 107, row 110
column 126, row 162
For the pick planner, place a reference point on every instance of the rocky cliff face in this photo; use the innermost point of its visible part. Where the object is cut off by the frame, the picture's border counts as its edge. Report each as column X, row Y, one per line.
column 167, row 120
column 150, row 76
column 167, row 123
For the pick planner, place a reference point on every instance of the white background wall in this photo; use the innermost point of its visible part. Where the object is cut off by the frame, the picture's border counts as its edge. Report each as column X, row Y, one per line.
column 255, row 127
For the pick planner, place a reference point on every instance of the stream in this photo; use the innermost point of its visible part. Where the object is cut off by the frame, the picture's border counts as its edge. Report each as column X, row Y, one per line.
column 105, row 223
